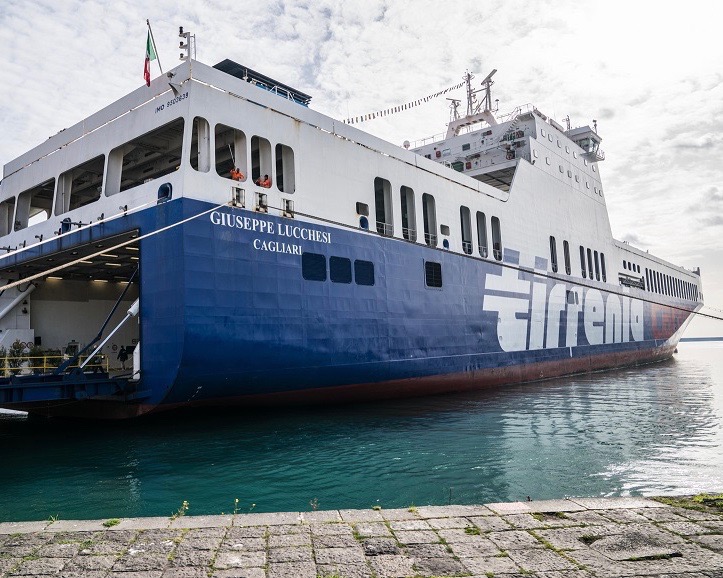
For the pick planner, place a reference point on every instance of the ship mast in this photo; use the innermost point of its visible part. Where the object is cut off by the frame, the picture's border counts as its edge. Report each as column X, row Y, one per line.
column 475, row 111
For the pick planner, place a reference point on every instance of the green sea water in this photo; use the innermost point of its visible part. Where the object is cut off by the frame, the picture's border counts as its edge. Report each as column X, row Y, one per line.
column 656, row 429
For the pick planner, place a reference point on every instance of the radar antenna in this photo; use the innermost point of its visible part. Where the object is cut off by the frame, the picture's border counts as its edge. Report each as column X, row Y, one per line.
column 473, row 106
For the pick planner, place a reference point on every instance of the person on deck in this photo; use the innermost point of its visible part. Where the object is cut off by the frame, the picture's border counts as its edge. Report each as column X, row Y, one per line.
column 265, row 182
column 123, row 356
column 236, row 174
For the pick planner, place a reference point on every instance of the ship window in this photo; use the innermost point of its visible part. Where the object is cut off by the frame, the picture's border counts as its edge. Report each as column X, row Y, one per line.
column 542, row 132
column 79, row 186
column 34, row 205
column 534, row 153
column 496, row 239
column 260, row 158
column 383, row 206
column 625, row 264
column 313, row 267
column 569, row 174
column 364, row 272
column 285, row 176
column 587, row 185
column 553, row 254
column 149, row 157
column 7, row 211
column 561, row 169
column 602, row 266
column 594, row 170
column 574, row 154
column 547, row 160
column 466, row 223
column 230, row 144
column 432, row 274
column 465, row 147
column 589, row 263
column 585, row 161
column 201, row 145
column 339, row 270
column 429, row 213
column 567, row 149
column 558, row 143
column 582, row 261
column 597, row 266
column 409, row 218
column 482, row 234
column 549, row 137
column 566, row 251
column 362, row 209
column 647, row 278
column 577, row 179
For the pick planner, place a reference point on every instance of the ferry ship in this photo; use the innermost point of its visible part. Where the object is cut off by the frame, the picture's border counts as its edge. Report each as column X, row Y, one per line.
column 362, row 270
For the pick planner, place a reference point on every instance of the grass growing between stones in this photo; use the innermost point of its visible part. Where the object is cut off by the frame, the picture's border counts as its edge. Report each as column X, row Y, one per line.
column 588, row 539
column 699, row 502
column 110, row 523
column 472, row 530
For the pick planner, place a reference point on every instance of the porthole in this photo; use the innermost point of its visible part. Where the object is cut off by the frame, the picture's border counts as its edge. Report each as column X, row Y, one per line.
column 534, row 154
column 574, row 154
column 587, row 185
column 594, row 170
column 567, row 149
column 542, row 132
column 577, row 178
column 569, row 174
column 558, row 144
column 584, row 161
column 561, row 169
column 547, row 160
column 549, row 137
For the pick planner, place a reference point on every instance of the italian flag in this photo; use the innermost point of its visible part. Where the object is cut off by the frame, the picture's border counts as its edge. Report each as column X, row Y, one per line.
column 150, row 55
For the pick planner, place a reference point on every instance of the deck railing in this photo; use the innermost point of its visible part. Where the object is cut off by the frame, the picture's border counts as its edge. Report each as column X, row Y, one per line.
column 26, row 365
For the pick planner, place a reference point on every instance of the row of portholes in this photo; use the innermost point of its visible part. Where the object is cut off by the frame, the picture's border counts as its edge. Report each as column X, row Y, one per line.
column 567, row 148
column 569, row 173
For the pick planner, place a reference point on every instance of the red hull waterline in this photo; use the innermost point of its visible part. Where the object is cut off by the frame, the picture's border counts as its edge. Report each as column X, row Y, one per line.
column 363, row 392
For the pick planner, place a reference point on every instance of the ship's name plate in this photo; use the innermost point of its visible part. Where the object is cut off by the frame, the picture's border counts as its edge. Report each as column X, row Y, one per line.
column 286, row 231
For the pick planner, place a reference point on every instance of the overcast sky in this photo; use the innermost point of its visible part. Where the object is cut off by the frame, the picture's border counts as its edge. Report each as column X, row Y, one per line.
column 651, row 73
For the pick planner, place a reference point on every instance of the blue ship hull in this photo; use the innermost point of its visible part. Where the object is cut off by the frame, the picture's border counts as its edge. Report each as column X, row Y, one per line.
column 227, row 316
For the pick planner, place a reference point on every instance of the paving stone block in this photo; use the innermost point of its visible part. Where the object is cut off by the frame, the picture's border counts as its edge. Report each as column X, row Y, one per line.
column 8, row 563
column 568, row 538
column 372, row 530
column 448, row 523
column 400, row 514
column 490, row 523
column 446, row 566
column 685, row 528
column 589, row 517
column 410, row 525
column 290, row 555
column 335, row 542
column 321, row 516
column 22, row 527
column 185, row 572
column 239, row 573
column 427, row 551
column 58, row 550
column 198, row 543
column 476, row 549
column 355, row 516
column 416, row 537
column 616, row 503
column 191, row 558
column 226, row 560
column 623, row 516
column 75, row 525
column 659, row 515
column 202, row 522
column 284, row 529
column 503, row 508
column 292, row 570
column 552, row 506
column 380, row 547
column 271, row 519
column 523, row 521
column 386, row 566
column 453, row 511
column 457, row 535
column 566, row 574
column 714, row 542
column 246, row 532
column 542, row 560
column 287, row 540
column 495, row 565
column 697, row 515
column 39, row 567
column 141, row 524
column 345, row 571
column 140, row 562
column 342, row 556
column 81, row 574
column 331, row 530
column 514, row 540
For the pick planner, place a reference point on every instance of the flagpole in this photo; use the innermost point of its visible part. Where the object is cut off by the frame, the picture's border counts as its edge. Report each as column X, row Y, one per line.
column 153, row 40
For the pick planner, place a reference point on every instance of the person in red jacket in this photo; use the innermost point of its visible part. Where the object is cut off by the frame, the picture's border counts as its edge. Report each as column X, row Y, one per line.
column 264, row 182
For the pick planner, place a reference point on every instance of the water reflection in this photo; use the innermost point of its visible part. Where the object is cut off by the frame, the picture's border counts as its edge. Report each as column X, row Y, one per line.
column 646, row 430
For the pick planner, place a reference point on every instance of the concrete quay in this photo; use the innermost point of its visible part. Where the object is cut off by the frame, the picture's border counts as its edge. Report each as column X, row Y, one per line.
column 571, row 538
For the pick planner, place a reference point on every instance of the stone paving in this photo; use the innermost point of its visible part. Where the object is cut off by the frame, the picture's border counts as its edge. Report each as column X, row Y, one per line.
column 573, row 538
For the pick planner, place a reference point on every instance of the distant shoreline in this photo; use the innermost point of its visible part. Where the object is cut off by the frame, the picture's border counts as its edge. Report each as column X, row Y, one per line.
column 682, row 339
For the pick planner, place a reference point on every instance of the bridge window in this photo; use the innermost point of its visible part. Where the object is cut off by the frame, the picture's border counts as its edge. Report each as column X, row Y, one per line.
column 383, row 206
column 285, row 176
column 313, row 267
column 553, row 254
column 432, row 274
column 201, row 145
column 260, row 158
column 409, row 219
column 79, row 186
column 340, row 270
column 602, row 266
column 482, row 234
column 231, row 151
column 496, row 239
column 582, row 261
column 566, row 252
column 151, row 156
column 589, row 263
column 429, row 213
column 465, row 220
column 34, row 205
column 597, row 266
column 7, row 212
column 364, row 272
